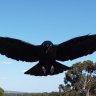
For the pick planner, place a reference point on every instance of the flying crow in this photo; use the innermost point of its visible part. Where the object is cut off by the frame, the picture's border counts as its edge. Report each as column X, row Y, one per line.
column 47, row 53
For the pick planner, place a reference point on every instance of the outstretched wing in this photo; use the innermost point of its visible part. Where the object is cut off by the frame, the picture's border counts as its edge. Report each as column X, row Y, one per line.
column 19, row 50
column 76, row 47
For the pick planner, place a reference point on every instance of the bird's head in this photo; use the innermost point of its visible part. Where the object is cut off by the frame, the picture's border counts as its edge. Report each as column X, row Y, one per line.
column 47, row 45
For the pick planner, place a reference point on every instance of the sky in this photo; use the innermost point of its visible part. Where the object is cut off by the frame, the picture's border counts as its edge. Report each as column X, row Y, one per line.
column 35, row 21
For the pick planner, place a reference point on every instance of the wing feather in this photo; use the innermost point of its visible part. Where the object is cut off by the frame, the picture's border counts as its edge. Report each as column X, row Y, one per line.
column 19, row 50
column 76, row 47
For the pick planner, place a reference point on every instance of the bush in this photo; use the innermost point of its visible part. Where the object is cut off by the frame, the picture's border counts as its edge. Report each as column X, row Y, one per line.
column 1, row 92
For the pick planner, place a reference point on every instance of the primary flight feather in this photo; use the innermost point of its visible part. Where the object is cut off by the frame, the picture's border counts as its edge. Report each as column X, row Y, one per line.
column 47, row 53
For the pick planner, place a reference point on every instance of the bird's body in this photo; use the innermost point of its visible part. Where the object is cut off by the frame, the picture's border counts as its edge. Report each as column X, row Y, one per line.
column 47, row 62
column 47, row 53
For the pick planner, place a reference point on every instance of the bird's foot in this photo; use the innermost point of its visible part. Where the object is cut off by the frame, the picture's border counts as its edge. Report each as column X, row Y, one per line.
column 44, row 69
column 52, row 69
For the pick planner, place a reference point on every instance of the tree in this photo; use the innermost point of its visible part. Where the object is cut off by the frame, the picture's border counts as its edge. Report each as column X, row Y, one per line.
column 81, row 78
column 1, row 92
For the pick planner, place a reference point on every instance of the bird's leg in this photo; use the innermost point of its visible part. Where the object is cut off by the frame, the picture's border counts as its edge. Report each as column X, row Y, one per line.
column 44, row 70
column 52, row 69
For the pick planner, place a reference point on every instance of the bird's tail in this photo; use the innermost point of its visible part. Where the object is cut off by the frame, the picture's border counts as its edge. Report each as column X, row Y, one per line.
column 59, row 68
column 55, row 68
column 35, row 70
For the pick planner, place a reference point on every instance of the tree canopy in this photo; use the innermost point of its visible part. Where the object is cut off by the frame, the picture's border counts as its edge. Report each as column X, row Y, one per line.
column 81, row 79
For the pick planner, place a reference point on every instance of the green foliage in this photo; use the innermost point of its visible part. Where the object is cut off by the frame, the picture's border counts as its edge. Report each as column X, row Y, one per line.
column 6, row 94
column 1, row 92
column 81, row 79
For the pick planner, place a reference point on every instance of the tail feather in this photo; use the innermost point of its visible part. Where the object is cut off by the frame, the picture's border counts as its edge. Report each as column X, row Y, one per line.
column 35, row 70
column 56, row 67
column 59, row 68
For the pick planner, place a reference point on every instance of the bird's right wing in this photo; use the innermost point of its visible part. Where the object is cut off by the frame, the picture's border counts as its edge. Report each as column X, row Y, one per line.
column 19, row 50
column 76, row 47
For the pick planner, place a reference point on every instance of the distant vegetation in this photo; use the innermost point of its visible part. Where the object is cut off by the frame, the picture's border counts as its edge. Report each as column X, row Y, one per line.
column 1, row 92
column 79, row 81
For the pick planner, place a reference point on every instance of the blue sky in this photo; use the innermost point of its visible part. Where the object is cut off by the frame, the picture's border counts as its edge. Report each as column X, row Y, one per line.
column 35, row 21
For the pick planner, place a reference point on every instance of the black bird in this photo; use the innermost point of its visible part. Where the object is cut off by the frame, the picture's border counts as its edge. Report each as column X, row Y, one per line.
column 47, row 53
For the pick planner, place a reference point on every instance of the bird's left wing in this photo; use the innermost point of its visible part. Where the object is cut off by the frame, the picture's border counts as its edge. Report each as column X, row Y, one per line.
column 19, row 50
column 76, row 47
